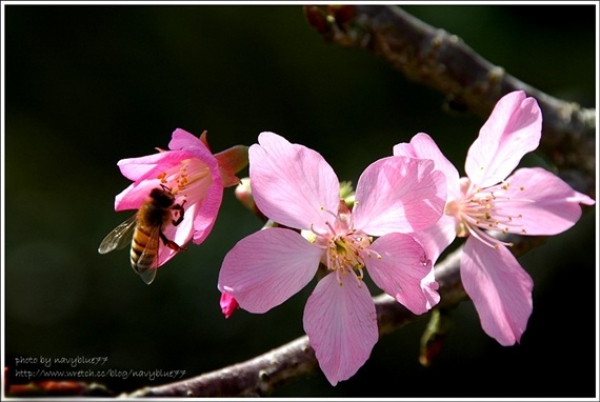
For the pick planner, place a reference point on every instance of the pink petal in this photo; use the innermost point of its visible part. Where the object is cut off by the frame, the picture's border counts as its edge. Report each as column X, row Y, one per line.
column 512, row 130
column 208, row 209
column 136, row 193
column 401, row 270
column 422, row 146
column 499, row 288
column 399, row 194
column 430, row 287
column 266, row 268
column 292, row 184
column 435, row 239
column 166, row 253
column 555, row 208
column 183, row 140
column 341, row 324
column 148, row 167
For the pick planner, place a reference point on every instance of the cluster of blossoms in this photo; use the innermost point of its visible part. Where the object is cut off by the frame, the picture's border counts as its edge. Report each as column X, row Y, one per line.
column 530, row 201
column 407, row 209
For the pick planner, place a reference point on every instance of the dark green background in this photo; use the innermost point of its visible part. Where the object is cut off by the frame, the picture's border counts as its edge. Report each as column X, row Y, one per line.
column 86, row 86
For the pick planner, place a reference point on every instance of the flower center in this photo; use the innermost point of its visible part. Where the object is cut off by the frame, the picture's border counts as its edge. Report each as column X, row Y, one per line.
column 486, row 209
column 346, row 248
column 346, row 253
column 189, row 179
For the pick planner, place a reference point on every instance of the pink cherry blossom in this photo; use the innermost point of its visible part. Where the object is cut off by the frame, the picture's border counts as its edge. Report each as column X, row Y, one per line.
column 194, row 176
column 295, row 187
column 531, row 201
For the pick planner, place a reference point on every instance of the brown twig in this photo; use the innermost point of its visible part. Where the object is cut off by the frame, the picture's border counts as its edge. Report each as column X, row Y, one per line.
column 443, row 61
column 261, row 375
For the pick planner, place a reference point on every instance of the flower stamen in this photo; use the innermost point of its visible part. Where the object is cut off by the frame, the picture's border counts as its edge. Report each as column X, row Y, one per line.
column 484, row 210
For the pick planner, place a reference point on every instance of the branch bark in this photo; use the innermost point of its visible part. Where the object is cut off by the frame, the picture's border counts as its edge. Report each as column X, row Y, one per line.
column 444, row 62
column 261, row 375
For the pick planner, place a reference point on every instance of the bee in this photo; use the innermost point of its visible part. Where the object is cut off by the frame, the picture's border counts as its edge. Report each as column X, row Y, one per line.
column 144, row 231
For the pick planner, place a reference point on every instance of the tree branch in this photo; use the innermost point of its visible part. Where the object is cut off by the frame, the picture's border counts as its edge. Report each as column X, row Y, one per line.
column 443, row 61
column 261, row 375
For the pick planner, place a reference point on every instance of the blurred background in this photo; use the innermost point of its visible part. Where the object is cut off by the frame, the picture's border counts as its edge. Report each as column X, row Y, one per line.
column 86, row 86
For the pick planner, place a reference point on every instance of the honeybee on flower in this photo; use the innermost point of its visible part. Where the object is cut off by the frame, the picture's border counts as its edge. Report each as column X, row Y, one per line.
column 144, row 231
column 177, row 193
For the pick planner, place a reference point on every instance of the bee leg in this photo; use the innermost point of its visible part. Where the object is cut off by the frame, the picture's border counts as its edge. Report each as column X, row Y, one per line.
column 180, row 210
column 170, row 243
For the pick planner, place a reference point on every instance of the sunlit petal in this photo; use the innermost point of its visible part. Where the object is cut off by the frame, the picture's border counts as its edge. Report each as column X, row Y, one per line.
column 266, row 268
column 513, row 129
column 399, row 194
column 541, row 203
column 499, row 288
column 422, row 146
column 400, row 269
column 341, row 323
column 292, row 184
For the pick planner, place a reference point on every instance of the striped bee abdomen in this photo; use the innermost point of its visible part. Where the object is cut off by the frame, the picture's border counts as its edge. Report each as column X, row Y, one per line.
column 144, row 248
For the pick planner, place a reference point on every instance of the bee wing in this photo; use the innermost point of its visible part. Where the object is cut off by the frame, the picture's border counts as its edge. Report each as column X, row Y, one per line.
column 148, row 275
column 119, row 237
column 147, row 264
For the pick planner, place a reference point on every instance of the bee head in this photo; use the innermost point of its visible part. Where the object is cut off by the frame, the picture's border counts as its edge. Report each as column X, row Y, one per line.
column 162, row 196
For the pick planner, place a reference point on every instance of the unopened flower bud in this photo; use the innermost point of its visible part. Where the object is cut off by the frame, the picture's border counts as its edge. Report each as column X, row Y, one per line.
column 243, row 192
column 228, row 304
